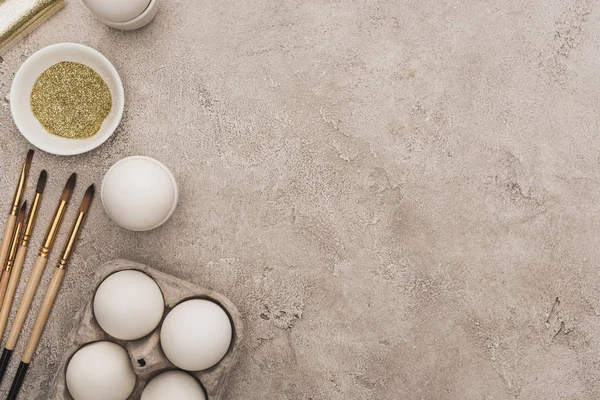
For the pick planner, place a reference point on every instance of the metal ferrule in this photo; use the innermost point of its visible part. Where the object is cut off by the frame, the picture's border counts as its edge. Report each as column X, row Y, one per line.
column 70, row 245
column 13, row 247
column 19, row 192
column 8, row 266
column 53, row 229
column 31, row 220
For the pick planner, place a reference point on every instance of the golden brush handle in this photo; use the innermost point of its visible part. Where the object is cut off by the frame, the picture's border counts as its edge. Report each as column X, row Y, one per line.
column 15, row 276
column 7, row 238
column 42, row 317
column 32, row 285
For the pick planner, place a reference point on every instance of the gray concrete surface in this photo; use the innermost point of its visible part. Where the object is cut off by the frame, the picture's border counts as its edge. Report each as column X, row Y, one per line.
column 401, row 197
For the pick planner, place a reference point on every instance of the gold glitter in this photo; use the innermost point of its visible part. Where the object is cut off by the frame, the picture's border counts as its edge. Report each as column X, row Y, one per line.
column 71, row 100
column 19, row 17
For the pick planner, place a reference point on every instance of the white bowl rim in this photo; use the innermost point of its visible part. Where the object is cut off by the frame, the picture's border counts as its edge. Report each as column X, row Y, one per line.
column 119, row 87
column 162, row 166
column 150, row 8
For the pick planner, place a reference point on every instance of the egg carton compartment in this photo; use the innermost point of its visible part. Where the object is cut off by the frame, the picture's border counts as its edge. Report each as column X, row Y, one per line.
column 146, row 354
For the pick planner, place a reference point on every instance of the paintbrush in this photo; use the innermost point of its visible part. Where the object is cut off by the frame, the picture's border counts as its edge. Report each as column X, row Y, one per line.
column 36, row 275
column 14, row 209
column 51, row 293
column 17, row 267
column 12, row 252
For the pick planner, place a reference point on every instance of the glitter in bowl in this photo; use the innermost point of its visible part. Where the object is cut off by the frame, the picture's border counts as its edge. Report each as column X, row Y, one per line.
column 71, row 100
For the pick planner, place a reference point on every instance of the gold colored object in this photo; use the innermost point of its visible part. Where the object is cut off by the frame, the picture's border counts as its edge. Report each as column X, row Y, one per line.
column 13, row 247
column 12, row 254
column 70, row 245
column 76, row 229
column 12, row 216
column 71, row 100
column 31, row 220
column 19, row 191
column 21, row 185
column 58, row 217
column 19, row 17
column 53, row 229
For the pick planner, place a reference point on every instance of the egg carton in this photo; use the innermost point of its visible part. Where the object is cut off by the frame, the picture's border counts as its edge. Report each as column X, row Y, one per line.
column 146, row 354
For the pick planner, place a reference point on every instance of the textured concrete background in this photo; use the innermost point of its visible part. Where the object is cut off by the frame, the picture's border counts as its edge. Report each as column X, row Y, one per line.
column 401, row 197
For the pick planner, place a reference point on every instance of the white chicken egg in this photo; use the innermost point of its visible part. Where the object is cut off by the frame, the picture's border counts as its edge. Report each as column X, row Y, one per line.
column 196, row 335
column 100, row 371
column 173, row 385
column 139, row 193
column 128, row 305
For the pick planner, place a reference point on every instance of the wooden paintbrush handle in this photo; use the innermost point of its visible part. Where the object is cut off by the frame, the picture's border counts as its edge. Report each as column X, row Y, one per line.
column 43, row 315
column 7, row 238
column 13, row 283
column 32, row 285
column 4, row 285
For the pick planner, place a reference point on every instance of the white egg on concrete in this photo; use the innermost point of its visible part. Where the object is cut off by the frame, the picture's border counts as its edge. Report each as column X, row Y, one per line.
column 139, row 193
column 173, row 385
column 128, row 305
column 100, row 371
column 196, row 335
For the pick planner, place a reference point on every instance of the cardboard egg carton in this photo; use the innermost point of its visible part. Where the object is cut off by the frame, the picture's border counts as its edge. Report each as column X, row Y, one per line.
column 146, row 354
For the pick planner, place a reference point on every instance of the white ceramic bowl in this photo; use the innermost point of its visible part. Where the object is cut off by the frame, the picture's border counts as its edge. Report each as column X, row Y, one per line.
column 138, row 22
column 23, row 83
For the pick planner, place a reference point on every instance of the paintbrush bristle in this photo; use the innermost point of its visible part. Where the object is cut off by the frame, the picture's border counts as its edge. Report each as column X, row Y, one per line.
column 68, row 190
column 22, row 213
column 87, row 199
column 41, row 185
column 28, row 159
